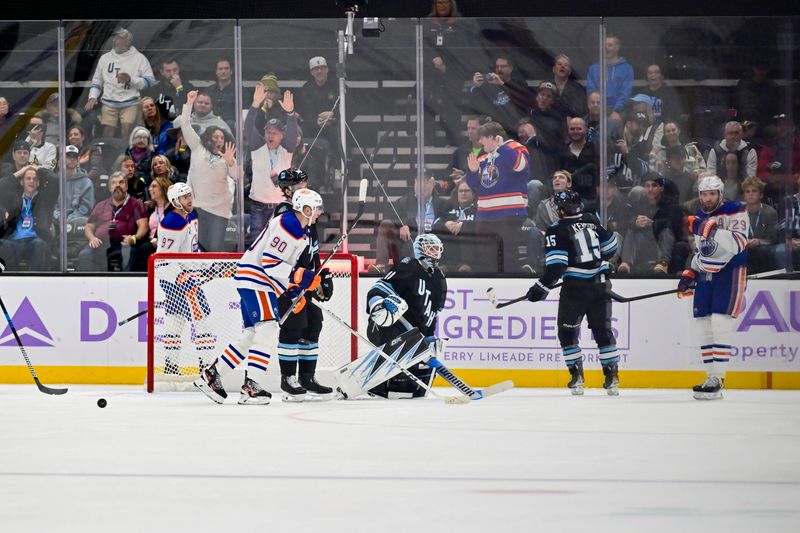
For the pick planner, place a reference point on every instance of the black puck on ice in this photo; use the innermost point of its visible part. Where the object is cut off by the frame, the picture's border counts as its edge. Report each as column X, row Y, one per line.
column 102, row 403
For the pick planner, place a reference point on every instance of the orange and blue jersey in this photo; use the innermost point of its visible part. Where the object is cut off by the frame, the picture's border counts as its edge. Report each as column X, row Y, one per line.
column 501, row 182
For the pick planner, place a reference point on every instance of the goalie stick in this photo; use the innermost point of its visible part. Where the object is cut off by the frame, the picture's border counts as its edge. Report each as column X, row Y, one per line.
column 362, row 198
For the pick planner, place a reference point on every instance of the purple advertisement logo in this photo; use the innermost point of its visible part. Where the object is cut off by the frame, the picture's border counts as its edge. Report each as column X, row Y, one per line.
column 31, row 329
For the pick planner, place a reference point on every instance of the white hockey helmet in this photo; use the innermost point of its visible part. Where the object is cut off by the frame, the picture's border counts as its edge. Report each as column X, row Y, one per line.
column 175, row 192
column 710, row 183
column 306, row 197
column 428, row 249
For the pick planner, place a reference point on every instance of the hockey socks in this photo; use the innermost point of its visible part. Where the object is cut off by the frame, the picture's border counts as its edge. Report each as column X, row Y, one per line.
column 307, row 365
column 287, row 358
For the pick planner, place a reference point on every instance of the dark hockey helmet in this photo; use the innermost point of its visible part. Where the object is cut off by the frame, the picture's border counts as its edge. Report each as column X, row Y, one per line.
column 568, row 203
column 290, row 177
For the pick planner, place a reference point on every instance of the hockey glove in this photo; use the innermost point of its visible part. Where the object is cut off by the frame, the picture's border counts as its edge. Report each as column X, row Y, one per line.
column 705, row 228
column 687, row 282
column 324, row 292
column 537, row 292
column 306, row 278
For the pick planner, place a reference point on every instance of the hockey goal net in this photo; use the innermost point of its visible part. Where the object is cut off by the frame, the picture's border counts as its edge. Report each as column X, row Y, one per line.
column 194, row 313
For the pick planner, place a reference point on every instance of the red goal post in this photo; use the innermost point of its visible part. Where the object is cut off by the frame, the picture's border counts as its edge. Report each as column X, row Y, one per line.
column 204, row 315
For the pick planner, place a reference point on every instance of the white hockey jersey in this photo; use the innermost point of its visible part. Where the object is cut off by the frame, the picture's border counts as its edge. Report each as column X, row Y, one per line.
column 177, row 234
column 115, row 94
column 267, row 265
column 729, row 244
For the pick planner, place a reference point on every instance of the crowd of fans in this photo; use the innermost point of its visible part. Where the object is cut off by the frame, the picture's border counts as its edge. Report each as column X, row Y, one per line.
column 513, row 146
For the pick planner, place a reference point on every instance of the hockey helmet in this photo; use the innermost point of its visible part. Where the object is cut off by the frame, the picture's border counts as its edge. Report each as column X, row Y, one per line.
column 710, row 183
column 290, row 177
column 568, row 203
column 175, row 192
column 428, row 249
column 306, row 197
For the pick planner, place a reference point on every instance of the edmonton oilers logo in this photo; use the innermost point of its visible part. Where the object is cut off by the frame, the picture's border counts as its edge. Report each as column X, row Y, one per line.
column 707, row 247
column 489, row 176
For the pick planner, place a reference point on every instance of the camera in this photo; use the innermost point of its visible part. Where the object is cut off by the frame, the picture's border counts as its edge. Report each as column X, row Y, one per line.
column 489, row 75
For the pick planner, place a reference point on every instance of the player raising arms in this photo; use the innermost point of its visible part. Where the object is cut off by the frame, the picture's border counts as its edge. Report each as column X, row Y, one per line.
column 411, row 295
column 718, row 275
column 267, row 278
column 298, row 340
column 577, row 247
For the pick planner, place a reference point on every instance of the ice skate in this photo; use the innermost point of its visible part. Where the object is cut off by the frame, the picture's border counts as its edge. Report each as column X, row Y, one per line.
column 210, row 384
column 710, row 389
column 576, row 383
column 253, row 393
column 292, row 391
column 611, row 383
column 313, row 387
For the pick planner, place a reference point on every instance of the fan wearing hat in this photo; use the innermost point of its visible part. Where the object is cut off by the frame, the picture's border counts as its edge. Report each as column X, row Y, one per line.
column 548, row 121
column 80, row 190
column 629, row 157
column 120, row 76
column 270, row 151
column 653, row 128
column 50, row 115
column 315, row 103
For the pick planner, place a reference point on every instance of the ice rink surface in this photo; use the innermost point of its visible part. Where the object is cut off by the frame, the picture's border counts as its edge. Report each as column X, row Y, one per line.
column 525, row 460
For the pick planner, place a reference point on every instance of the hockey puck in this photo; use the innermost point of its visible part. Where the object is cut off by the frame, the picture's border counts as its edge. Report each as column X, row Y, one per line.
column 102, row 403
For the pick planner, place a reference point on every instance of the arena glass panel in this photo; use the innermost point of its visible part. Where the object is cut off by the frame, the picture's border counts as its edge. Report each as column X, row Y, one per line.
column 171, row 58
column 478, row 71
column 696, row 79
column 380, row 109
column 29, row 139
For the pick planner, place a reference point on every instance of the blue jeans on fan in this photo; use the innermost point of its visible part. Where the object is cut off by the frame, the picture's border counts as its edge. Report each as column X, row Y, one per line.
column 260, row 215
column 211, row 231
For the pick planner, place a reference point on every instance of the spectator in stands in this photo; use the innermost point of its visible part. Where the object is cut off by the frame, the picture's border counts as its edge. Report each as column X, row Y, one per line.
column 395, row 238
column 757, row 97
column 751, row 135
column 141, row 151
column 620, row 79
column 731, row 175
column 570, row 95
column 667, row 104
column 458, row 164
column 592, row 118
column 20, row 158
column 269, row 109
column 315, row 105
column 115, row 228
column 549, row 123
column 180, row 157
column 628, row 158
column 5, row 122
column 203, row 116
column 120, row 76
column 223, row 97
column 789, row 228
column 456, row 228
column 502, row 94
column 544, row 217
column 674, row 169
column 27, row 218
column 653, row 129
column 693, row 159
column 213, row 175
column 42, row 153
column 500, row 178
column 156, row 208
column 617, row 213
column 270, row 152
column 581, row 159
column 541, row 162
column 445, row 10
column 137, row 184
column 160, row 167
column 763, row 233
column 80, row 191
column 779, row 160
column 98, row 173
column 50, row 116
column 76, row 136
column 748, row 159
column 655, row 227
column 169, row 92
column 157, row 125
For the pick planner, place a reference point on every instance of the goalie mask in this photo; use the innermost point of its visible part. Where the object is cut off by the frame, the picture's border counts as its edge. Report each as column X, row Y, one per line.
column 175, row 192
column 306, row 197
column 428, row 249
column 568, row 203
column 710, row 183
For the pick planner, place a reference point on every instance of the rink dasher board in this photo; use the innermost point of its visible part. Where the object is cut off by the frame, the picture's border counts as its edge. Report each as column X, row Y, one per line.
column 69, row 328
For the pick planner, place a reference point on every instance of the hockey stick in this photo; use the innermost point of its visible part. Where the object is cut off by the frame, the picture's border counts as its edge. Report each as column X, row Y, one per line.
column 450, row 399
column 622, row 299
column 499, row 305
column 132, row 317
column 362, row 198
column 44, row 388
column 465, row 389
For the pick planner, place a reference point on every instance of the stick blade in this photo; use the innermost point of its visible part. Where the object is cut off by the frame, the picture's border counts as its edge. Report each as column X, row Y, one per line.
column 492, row 296
column 49, row 390
column 497, row 388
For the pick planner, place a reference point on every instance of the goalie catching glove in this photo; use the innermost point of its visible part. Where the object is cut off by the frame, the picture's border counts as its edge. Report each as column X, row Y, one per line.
column 324, row 292
column 386, row 311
